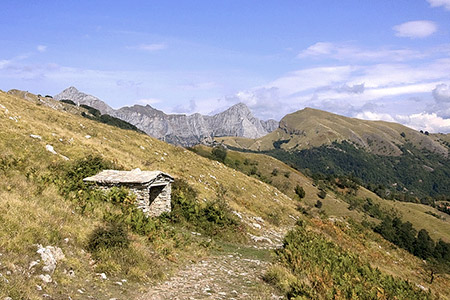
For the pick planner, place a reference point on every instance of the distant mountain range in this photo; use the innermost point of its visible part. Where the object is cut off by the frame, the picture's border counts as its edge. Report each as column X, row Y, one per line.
column 180, row 129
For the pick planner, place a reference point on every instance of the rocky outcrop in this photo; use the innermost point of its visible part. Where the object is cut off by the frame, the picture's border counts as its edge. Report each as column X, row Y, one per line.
column 180, row 129
column 78, row 97
column 193, row 129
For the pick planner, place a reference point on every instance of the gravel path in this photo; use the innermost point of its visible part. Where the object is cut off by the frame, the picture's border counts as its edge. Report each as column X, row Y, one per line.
column 218, row 277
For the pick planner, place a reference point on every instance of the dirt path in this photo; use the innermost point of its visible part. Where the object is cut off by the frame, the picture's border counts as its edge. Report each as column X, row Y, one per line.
column 229, row 275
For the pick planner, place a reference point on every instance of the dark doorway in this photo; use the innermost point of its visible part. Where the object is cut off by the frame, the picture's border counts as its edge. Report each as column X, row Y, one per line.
column 155, row 191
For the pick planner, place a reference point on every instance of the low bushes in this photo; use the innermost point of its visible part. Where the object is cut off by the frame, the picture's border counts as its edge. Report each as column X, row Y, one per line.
column 212, row 218
column 108, row 237
column 311, row 267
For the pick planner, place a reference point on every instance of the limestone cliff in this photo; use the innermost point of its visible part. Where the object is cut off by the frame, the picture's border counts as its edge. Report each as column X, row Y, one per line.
column 180, row 129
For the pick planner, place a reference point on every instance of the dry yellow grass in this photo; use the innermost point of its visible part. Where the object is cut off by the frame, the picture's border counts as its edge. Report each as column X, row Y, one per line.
column 30, row 213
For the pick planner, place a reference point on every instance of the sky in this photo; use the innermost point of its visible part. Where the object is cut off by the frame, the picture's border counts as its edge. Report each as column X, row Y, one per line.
column 377, row 60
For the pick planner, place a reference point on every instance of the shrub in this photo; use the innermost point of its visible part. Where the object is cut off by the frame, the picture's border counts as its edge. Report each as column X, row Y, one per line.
column 121, row 195
column 318, row 204
column 72, row 174
column 322, row 194
column 300, row 191
column 212, row 218
column 68, row 101
column 108, row 237
column 312, row 267
column 219, row 153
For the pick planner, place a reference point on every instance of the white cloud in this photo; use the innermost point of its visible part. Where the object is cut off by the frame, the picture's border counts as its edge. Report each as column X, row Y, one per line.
column 441, row 93
column 41, row 48
column 312, row 78
column 347, row 89
column 415, row 29
column 4, row 63
column 420, row 121
column 319, row 48
column 349, row 51
column 425, row 121
column 374, row 116
column 185, row 109
column 148, row 101
column 149, row 47
column 437, row 3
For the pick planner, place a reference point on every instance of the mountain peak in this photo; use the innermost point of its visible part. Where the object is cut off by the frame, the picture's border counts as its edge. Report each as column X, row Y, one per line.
column 70, row 90
column 72, row 93
column 240, row 105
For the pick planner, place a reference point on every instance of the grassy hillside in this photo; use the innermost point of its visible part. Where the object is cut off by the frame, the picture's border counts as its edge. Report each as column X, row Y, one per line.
column 310, row 128
column 44, row 151
column 343, row 217
column 34, row 211
column 336, row 203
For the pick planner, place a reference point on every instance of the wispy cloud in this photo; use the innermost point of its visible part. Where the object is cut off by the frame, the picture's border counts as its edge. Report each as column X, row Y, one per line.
column 349, row 51
column 149, row 47
column 41, row 48
column 437, row 3
column 415, row 29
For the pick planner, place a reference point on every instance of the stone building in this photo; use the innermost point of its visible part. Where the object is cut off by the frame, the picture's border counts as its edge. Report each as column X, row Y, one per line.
column 152, row 188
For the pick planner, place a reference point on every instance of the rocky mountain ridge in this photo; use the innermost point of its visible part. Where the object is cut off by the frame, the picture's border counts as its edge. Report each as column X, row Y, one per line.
column 180, row 129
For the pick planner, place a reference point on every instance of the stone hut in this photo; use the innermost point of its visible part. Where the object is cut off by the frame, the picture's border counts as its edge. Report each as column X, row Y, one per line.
column 152, row 188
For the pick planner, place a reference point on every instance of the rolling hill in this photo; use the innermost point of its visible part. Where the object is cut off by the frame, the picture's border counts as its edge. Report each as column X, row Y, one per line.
column 310, row 128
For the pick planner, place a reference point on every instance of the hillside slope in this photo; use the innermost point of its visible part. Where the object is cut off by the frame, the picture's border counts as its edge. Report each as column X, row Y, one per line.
column 36, row 139
column 38, row 142
column 286, row 178
column 310, row 127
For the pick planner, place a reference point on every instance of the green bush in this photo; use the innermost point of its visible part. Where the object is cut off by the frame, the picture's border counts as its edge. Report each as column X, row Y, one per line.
column 219, row 153
column 108, row 237
column 300, row 191
column 318, row 204
column 71, row 175
column 67, row 101
column 312, row 267
column 212, row 218
column 322, row 194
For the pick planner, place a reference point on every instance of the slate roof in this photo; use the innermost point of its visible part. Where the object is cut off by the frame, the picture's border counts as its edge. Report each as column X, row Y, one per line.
column 133, row 176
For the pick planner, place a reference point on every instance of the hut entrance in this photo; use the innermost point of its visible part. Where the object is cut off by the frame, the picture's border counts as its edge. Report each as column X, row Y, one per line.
column 155, row 192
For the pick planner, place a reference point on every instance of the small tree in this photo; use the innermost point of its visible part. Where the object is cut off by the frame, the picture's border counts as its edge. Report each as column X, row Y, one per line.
column 318, row 204
column 275, row 172
column 322, row 194
column 219, row 153
column 300, row 191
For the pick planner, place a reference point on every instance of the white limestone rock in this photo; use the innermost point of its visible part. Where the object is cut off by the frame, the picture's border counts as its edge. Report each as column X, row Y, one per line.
column 50, row 256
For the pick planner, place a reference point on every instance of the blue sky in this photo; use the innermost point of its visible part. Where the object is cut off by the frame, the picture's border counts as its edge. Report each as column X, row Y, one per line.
column 379, row 59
